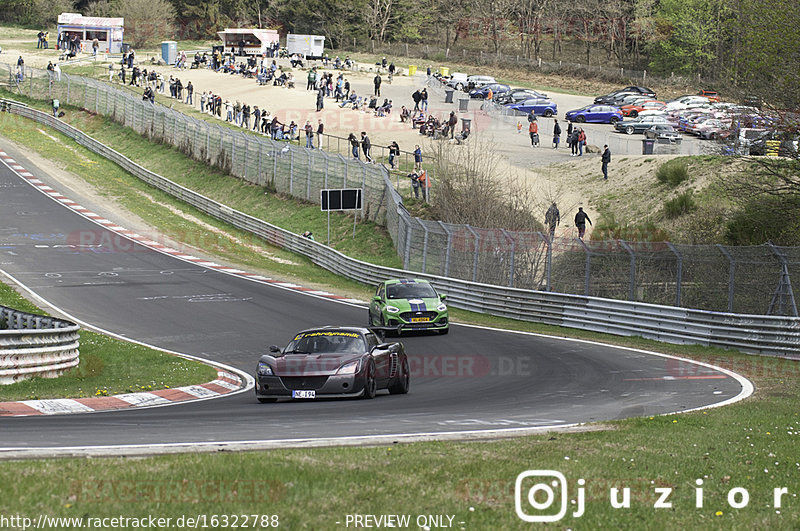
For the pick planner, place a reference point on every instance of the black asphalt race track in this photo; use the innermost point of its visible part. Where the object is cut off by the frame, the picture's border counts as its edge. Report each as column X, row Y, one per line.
column 471, row 379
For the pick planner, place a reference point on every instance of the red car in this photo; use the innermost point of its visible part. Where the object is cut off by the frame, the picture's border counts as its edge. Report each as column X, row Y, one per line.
column 634, row 109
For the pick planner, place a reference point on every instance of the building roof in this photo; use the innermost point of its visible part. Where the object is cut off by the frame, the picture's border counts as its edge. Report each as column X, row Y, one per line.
column 76, row 19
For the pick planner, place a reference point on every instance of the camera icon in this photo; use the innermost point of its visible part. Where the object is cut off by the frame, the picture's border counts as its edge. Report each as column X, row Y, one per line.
column 540, row 496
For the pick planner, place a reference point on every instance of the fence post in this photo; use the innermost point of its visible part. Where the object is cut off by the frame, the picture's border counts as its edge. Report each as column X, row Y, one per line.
column 678, row 274
column 407, row 250
column 447, row 251
column 731, row 274
column 475, row 255
column 424, row 245
column 784, row 289
column 632, row 273
column 548, row 264
column 246, row 151
column 308, row 177
column 291, row 172
column 587, row 269
column 513, row 257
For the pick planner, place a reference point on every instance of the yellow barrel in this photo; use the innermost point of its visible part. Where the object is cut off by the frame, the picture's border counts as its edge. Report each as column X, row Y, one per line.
column 773, row 147
column 444, row 70
column 412, row 70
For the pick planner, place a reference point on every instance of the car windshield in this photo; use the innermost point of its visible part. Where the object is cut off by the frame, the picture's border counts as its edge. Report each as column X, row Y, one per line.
column 326, row 342
column 416, row 290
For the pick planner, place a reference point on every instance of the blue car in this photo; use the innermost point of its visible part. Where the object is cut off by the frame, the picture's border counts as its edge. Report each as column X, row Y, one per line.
column 497, row 90
column 539, row 106
column 601, row 114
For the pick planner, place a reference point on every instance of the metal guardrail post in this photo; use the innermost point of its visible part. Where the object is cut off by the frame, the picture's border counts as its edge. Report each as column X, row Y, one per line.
column 632, row 274
column 588, row 267
column 449, row 247
column 475, row 255
column 731, row 274
column 679, row 273
column 512, row 258
column 407, row 250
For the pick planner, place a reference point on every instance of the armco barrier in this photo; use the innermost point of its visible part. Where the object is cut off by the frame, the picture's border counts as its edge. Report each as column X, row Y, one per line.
column 35, row 345
column 749, row 333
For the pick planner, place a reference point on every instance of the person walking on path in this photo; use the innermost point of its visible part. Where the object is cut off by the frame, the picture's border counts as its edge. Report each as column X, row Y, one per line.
column 556, row 134
column 605, row 160
column 533, row 131
column 417, row 97
column 366, row 146
column 580, row 222
column 377, row 83
column 552, row 218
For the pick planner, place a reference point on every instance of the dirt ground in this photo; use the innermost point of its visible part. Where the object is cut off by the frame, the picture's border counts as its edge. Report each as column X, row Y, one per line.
column 552, row 175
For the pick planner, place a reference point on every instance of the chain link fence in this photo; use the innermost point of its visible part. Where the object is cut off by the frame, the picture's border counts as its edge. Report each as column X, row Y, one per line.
column 749, row 280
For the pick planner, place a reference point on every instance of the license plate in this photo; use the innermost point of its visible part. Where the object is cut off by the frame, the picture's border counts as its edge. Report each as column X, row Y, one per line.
column 420, row 320
column 304, row 394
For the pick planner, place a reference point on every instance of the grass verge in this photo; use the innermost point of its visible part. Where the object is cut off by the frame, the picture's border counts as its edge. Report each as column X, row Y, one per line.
column 108, row 366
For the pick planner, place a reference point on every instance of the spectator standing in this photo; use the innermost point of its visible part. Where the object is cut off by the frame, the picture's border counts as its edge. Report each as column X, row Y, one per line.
column 312, row 79
column 414, row 184
column 533, row 131
column 309, row 129
column 394, row 152
column 581, row 141
column 320, row 131
column 552, row 218
column 556, row 134
column 417, row 158
column 580, row 222
column 189, row 93
column 417, row 97
column 203, row 101
column 366, row 146
column 377, row 82
column 110, row 72
column 424, row 102
column 452, row 122
column 353, row 145
column 95, row 46
column 57, row 70
column 572, row 139
column 606, row 158
column 56, row 104
column 320, row 99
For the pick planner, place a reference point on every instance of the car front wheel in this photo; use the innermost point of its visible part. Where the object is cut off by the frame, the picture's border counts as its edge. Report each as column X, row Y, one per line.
column 580, row 119
column 613, row 120
column 629, row 130
column 634, row 114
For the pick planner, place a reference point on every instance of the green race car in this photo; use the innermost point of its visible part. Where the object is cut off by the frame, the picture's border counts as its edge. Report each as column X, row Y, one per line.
column 409, row 304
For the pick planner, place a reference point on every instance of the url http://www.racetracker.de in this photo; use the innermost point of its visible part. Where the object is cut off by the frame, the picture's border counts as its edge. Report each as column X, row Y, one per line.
column 199, row 521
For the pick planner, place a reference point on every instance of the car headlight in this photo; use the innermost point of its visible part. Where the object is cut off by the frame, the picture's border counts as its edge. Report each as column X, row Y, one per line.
column 348, row 368
column 392, row 309
column 441, row 308
column 264, row 369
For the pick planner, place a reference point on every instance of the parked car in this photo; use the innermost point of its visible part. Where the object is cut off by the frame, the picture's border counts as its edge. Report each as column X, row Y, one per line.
column 710, row 94
column 519, row 94
column 474, row 82
column 604, row 114
column 663, row 132
column 634, row 109
column 539, row 106
column 640, row 124
column 714, row 129
column 644, row 91
column 615, row 96
column 685, row 102
column 483, row 92
column 458, row 81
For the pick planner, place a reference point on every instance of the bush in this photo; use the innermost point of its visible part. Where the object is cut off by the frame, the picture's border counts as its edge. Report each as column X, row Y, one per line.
column 678, row 206
column 673, row 172
column 765, row 219
column 608, row 228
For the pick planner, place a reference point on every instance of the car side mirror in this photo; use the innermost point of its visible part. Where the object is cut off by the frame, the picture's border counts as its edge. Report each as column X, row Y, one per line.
column 274, row 348
column 376, row 298
column 442, row 297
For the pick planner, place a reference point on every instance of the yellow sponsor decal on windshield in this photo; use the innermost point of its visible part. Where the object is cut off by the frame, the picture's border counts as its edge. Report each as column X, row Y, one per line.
column 334, row 334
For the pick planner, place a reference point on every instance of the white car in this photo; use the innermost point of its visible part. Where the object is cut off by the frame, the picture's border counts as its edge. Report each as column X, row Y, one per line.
column 684, row 102
column 458, row 81
column 474, row 82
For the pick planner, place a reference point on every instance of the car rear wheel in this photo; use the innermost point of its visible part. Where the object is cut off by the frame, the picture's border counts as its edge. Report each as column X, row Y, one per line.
column 613, row 120
column 629, row 130
column 547, row 113
column 401, row 386
column 459, row 86
column 369, row 381
column 634, row 114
